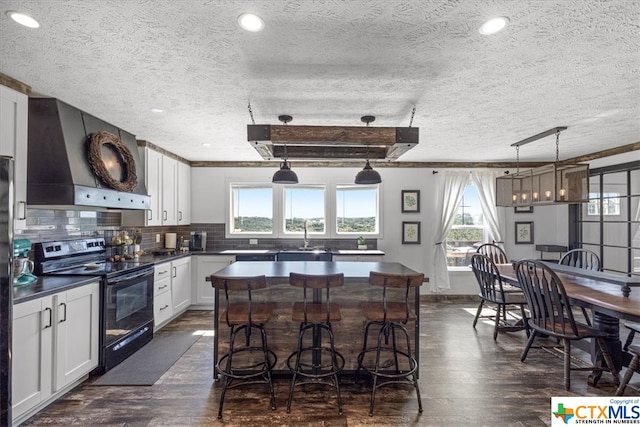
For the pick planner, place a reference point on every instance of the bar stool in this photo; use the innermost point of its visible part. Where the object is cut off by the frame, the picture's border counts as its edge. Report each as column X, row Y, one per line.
column 634, row 366
column 242, row 314
column 315, row 316
column 390, row 316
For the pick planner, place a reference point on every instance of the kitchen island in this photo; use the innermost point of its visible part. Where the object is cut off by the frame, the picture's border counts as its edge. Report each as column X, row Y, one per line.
column 282, row 331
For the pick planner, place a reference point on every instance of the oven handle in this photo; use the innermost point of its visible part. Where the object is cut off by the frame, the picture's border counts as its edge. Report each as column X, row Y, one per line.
column 131, row 276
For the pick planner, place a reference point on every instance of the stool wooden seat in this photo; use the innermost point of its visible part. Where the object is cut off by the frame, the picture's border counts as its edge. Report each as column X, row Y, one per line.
column 390, row 316
column 315, row 363
column 242, row 314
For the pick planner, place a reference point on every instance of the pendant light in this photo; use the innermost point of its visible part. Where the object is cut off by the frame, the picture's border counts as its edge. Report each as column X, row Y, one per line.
column 285, row 175
column 367, row 175
column 556, row 183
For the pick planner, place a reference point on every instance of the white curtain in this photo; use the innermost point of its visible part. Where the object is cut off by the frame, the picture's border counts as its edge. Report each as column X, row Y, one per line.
column 448, row 202
column 485, row 183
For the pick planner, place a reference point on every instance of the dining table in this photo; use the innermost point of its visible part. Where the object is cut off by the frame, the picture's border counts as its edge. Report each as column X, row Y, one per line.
column 281, row 331
column 604, row 296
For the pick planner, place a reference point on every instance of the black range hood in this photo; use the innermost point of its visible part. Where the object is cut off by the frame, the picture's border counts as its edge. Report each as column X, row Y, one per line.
column 59, row 172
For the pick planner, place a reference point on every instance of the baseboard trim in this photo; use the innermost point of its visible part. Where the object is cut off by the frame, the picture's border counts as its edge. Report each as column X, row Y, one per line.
column 448, row 298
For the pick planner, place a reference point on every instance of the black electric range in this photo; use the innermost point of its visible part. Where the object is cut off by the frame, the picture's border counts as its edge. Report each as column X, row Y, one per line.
column 126, row 292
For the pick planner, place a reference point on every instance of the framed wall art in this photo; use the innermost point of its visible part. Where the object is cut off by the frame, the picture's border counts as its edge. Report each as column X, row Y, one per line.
column 411, row 232
column 410, row 200
column 524, row 233
column 523, row 209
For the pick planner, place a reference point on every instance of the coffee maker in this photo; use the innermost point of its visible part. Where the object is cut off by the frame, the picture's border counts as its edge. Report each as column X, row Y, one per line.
column 22, row 265
column 198, row 241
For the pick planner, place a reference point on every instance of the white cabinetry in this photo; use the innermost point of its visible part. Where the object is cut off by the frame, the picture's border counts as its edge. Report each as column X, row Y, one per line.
column 162, row 305
column 171, row 290
column 169, row 191
column 204, row 266
column 168, row 184
column 184, row 194
column 181, row 284
column 153, row 179
column 14, row 112
column 55, row 344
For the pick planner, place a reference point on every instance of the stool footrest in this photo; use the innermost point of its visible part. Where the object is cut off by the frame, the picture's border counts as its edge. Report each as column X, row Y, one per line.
column 320, row 370
column 249, row 370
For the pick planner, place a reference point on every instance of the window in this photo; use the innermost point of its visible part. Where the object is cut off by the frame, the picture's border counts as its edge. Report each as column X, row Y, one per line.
column 613, row 234
column 357, row 210
column 610, row 204
column 281, row 211
column 467, row 232
column 251, row 209
column 304, row 203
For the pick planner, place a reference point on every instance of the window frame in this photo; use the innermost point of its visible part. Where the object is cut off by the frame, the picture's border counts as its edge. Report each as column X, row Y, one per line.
column 483, row 227
column 229, row 210
column 278, row 206
column 350, row 235
column 283, row 217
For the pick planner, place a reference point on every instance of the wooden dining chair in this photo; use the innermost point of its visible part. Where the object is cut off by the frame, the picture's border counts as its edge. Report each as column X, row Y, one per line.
column 494, row 252
column 551, row 314
column 581, row 258
column 634, row 366
column 492, row 292
column 585, row 259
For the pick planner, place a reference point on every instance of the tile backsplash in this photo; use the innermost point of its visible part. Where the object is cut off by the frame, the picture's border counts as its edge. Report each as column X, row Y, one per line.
column 59, row 224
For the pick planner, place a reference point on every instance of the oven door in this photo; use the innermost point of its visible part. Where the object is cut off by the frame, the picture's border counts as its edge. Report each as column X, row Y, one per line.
column 127, row 315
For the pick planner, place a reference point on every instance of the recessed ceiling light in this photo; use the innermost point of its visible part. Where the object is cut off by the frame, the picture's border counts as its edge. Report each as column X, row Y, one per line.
column 251, row 22
column 494, row 25
column 23, row 19
column 206, row 144
column 157, row 110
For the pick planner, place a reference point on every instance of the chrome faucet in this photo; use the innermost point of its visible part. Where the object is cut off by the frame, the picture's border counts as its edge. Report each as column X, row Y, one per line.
column 306, row 240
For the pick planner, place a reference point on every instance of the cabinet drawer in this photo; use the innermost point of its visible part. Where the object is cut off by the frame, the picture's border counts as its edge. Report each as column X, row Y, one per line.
column 162, row 271
column 161, row 286
column 162, row 308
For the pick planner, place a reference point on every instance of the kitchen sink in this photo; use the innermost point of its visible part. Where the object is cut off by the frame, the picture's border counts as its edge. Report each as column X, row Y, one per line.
column 314, row 249
column 304, row 254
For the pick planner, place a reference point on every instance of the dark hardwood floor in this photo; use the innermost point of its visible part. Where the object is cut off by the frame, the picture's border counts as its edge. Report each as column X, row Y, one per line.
column 465, row 379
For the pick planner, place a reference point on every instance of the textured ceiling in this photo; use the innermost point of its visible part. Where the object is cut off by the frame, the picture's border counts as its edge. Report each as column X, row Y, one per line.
column 572, row 63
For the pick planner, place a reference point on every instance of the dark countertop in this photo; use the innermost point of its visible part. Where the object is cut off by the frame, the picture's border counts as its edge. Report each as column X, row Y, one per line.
column 47, row 285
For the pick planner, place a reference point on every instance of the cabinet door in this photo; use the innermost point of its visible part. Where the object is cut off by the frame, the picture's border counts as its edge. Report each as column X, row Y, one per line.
column 205, row 266
column 162, row 307
column 153, row 164
column 14, row 112
column 32, row 354
column 76, row 317
column 181, row 284
column 169, row 191
column 184, row 194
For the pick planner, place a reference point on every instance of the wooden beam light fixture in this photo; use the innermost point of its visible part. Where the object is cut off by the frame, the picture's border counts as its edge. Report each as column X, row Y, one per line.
column 546, row 185
column 331, row 142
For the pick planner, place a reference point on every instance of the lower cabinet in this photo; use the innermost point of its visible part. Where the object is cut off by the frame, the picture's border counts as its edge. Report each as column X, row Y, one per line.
column 171, row 290
column 204, row 266
column 55, row 344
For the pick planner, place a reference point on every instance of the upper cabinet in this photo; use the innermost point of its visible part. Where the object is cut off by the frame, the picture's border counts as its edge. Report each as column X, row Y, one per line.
column 184, row 194
column 169, row 186
column 14, row 112
column 169, row 191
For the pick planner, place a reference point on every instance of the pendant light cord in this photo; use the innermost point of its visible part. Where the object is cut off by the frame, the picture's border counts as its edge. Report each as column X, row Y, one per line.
column 557, row 147
column 253, row 122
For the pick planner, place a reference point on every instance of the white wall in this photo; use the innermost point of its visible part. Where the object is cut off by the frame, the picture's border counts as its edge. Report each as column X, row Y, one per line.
column 550, row 222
